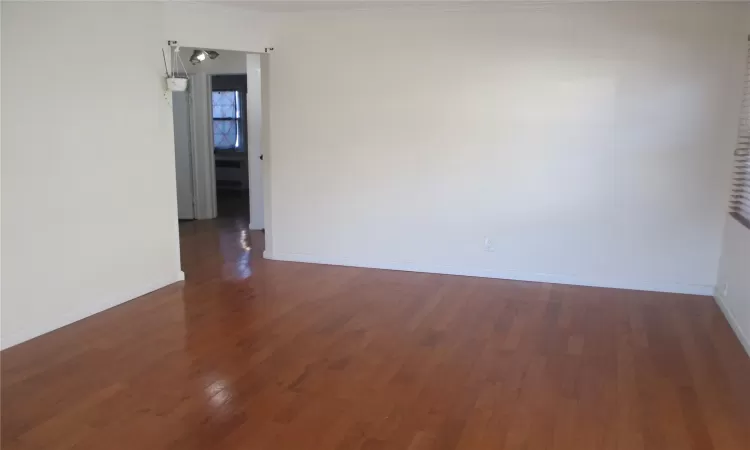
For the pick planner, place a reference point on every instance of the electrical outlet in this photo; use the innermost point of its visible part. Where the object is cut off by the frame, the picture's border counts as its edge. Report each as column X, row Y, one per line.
column 725, row 290
column 488, row 247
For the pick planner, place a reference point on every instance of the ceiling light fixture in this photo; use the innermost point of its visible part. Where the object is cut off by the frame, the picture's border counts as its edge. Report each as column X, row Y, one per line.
column 201, row 55
column 198, row 56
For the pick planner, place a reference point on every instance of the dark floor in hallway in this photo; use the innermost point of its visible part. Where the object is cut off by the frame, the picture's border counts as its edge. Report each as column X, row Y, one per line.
column 233, row 203
column 257, row 354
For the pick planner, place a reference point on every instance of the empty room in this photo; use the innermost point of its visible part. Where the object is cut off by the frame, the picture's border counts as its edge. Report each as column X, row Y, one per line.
column 449, row 225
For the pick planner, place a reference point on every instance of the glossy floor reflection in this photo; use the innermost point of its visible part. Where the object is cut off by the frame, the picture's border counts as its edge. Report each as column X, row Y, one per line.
column 223, row 248
column 257, row 354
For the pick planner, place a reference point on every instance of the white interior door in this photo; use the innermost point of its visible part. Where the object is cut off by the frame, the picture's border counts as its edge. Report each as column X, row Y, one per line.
column 183, row 155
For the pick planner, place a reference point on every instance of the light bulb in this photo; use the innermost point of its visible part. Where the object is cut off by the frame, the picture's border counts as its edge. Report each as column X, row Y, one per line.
column 198, row 56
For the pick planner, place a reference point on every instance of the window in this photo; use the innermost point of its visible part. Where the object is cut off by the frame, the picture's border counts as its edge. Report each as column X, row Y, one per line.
column 227, row 118
column 740, row 201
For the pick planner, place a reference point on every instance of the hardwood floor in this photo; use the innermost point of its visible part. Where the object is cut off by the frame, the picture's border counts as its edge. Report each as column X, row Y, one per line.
column 256, row 354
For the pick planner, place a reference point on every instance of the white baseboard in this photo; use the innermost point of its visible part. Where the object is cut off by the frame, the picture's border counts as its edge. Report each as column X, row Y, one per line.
column 743, row 338
column 181, row 276
column 678, row 288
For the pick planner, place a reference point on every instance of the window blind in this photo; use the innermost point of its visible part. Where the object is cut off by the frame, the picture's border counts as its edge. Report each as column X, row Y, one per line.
column 740, row 201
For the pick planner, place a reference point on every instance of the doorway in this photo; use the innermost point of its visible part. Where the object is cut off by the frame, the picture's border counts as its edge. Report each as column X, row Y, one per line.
column 230, row 149
column 218, row 126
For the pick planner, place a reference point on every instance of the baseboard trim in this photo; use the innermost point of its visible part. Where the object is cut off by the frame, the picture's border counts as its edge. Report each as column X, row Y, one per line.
column 744, row 340
column 677, row 288
column 181, row 276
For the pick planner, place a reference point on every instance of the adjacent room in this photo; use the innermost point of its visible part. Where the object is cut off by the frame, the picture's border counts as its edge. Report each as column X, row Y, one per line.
column 375, row 225
column 212, row 140
column 218, row 156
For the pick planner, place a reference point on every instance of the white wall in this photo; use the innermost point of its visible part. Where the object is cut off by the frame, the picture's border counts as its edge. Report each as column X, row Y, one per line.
column 734, row 276
column 584, row 140
column 89, row 212
column 733, row 285
column 87, row 226
column 217, row 26
column 587, row 142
